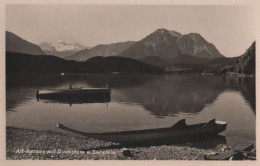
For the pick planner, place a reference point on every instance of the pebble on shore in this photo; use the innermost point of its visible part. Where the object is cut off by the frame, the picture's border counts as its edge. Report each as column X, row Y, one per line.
column 49, row 145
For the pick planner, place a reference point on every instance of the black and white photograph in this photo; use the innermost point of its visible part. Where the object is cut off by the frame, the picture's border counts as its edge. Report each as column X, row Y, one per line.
column 130, row 82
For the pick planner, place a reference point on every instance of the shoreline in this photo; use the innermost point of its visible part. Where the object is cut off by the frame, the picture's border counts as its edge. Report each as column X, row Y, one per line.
column 22, row 143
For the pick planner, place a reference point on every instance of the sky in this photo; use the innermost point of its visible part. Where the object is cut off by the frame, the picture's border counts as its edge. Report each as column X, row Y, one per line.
column 230, row 28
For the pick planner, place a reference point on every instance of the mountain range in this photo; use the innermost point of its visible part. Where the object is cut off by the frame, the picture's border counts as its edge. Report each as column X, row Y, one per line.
column 168, row 50
column 15, row 43
column 162, row 43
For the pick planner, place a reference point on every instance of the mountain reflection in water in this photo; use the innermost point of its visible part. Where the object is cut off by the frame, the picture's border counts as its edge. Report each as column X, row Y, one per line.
column 162, row 95
column 169, row 95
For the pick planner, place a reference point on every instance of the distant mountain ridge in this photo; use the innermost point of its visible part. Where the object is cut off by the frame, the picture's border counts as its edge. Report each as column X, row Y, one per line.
column 15, row 43
column 101, row 50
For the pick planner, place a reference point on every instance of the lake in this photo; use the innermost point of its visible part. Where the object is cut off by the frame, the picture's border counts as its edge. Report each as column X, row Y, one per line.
column 137, row 102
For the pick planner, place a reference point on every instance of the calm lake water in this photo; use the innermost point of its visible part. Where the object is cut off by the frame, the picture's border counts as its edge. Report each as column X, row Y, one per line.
column 137, row 102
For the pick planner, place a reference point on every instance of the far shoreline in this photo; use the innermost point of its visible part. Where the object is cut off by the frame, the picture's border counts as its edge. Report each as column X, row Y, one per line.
column 124, row 73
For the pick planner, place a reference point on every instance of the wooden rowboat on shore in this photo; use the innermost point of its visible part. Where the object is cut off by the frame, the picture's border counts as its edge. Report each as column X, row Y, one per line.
column 73, row 93
column 177, row 132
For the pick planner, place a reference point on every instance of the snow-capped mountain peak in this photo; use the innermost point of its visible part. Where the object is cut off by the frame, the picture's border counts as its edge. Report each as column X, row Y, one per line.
column 62, row 46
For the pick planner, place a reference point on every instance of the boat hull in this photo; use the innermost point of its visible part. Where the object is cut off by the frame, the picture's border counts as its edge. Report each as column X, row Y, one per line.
column 176, row 136
column 74, row 94
column 171, row 134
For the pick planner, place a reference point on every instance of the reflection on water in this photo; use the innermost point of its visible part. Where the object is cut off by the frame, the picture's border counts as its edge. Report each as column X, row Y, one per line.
column 161, row 95
column 137, row 101
column 170, row 95
column 75, row 101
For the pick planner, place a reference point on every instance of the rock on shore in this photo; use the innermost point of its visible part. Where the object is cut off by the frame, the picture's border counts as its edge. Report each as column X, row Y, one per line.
column 48, row 145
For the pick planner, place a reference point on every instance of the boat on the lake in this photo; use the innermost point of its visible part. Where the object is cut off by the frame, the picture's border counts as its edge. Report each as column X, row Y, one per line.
column 71, row 101
column 178, row 132
column 74, row 94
